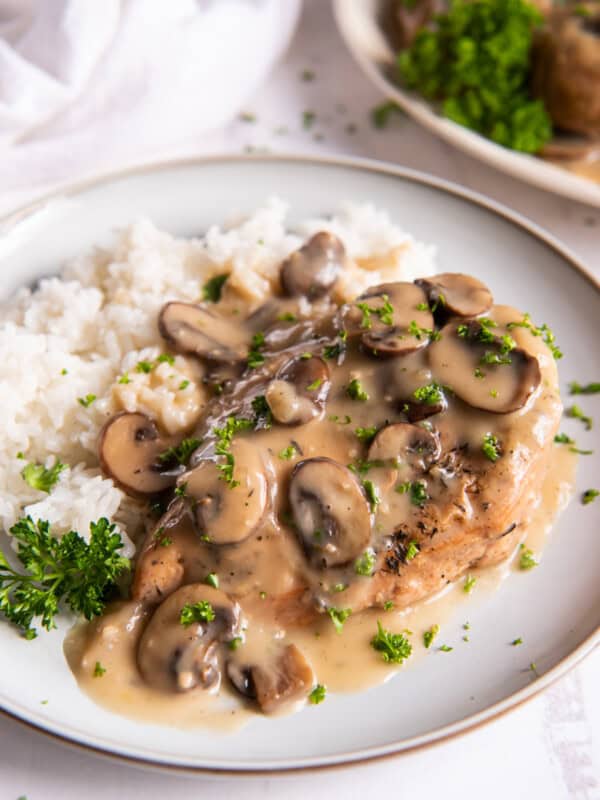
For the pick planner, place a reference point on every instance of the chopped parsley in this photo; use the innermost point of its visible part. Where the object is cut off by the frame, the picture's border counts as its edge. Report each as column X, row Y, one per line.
column 225, row 436
column 312, row 387
column 371, row 493
column 166, row 358
column 356, row 391
column 589, row 496
column 86, row 401
column 181, row 453
column 517, row 642
column 388, row 605
column 430, row 395
column 335, row 418
column 287, row 316
column 263, row 417
column 445, row 648
column 543, row 331
column 385, row 313
column 491, row 448
column 183, row 385
column 40, row 478
column 124, row 378
column 234, row 643
column 308, row 119
column 527, row 559
column 144, row 366
column 289, row 452
column 180, row 490
column 255, row 357
column 166, row 541
column 417, row 491
column 339, row 616
column 588, row 388
column 430, row 635
column 365, row 564
column 212, row 579
column 366, row 435
column 469, row 584
column 562, row 438
column 317, row 695
column 68, row 570
column 421, row 333
column 247, row 116
column 394, row 647
column 380, row 115
column 212, row 289
column 202, row 611
column 575, row 412
column 412, row 550
column 479, row 331
column 99, row 670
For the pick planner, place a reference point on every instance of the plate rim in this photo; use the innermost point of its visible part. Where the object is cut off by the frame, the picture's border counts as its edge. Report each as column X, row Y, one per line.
column 539, row 173
column 426, row 740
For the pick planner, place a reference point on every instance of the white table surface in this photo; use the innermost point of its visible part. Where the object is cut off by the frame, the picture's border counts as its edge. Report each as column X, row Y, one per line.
column 550, row 747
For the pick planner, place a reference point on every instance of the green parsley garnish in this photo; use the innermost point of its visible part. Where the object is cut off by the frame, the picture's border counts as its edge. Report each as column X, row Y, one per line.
column 491, row 447
column 365, row 564
column 166, row 541
column 144, row 366
column 223, row 444
column 287, row 317
column 234, row 643
column 430, row 635
column 335, row 418
column 247, row 116
column 527, row 559
column 371, row 493
column 385, row 313
column 255, row 357
column 308, row 119
column 181, row 453
column 366, row 435
column 180, row 490
column 124, row 378
column 431, row 394
column 446, row 648
column 65, row 570
column 314, row 385
column 86, row 401
column 517, row 642
column 388, row 605
column 212, row 289
column 356, row 391
column 166, row 358
column 412, row 550
column 380, row 115
column 575, row 412
column 64, row 371
column 562, row 438
column 183, row 385
column 543, row 331
column 202, row 611
column 339, row 616
column 317, row 695
column 40, row 478
column 589, row 496
column 289, row 452
column 99, row 670
column 422, row 333
column 394, row 647
column 417, row 491
column 263, row 417
column 475, row 58
column 212, row 579
column 588, row 388
column 469, row 584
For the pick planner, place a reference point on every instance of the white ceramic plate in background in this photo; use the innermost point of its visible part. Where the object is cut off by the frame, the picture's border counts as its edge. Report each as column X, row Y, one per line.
column 554, row 608
column 359, row 24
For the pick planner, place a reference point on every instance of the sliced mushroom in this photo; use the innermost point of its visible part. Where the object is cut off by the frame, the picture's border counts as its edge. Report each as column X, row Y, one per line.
column 190, row 328
column 417, row 411
column 314, row 268
column 299, row 391
column 129, row 450
column 226, row 513
column 273, row 683
column 392, row 319
column 405, row 443
column 459, row 361
column 455, row 294
column 330, row 511
column 175, row 657
column 159, row 569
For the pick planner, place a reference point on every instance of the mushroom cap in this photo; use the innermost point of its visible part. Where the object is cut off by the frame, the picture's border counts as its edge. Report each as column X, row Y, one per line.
column 387, row 334
column 190, row 328
column 330, row 511
column 457, row 294
column 176, row 658
column 128, row 449
column 274, row 682
column 314, row 268
column 226, row 514
column 456, row 362
column 299, row 392
column 405, row 443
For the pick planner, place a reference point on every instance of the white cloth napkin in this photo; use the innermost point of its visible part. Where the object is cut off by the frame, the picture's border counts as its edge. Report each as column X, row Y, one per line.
column 90, row 84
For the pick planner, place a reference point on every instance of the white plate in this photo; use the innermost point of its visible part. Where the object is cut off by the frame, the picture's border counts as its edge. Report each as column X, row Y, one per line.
column 554, row 608
column 358, row 22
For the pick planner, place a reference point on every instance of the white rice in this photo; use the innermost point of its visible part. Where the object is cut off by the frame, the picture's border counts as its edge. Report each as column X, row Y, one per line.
column 76, row 334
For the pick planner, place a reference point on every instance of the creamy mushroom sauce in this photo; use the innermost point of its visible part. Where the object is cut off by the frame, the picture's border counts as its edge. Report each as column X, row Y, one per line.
column 292, row 534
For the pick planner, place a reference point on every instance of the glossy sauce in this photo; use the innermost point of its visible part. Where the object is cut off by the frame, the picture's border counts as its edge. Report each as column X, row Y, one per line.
column 251, row 535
